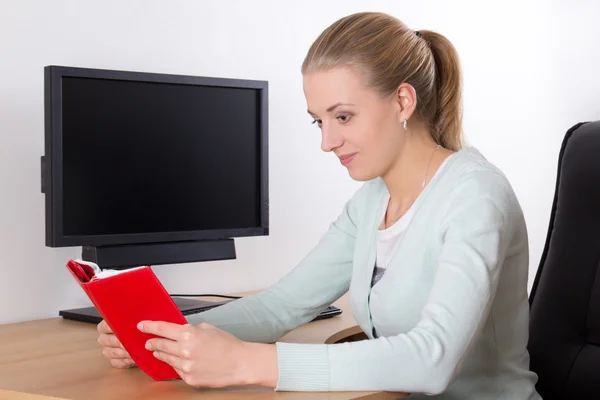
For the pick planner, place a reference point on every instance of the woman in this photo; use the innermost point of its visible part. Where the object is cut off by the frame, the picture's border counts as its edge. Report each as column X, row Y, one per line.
column 432, row 249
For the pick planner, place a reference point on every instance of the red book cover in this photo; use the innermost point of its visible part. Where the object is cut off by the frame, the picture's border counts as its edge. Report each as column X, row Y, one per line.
column 123, row 299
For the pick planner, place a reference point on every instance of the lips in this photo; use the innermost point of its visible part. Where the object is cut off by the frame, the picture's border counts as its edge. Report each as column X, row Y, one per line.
column 347, row 159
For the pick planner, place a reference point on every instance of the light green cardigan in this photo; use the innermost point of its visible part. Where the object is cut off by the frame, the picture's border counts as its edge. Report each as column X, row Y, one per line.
column 451, row 311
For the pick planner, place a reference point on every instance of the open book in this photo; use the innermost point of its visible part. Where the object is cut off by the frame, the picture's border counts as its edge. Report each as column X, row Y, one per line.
column 124, row 298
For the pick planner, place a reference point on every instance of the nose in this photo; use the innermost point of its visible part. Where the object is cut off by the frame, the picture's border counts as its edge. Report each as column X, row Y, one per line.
column 330, row 138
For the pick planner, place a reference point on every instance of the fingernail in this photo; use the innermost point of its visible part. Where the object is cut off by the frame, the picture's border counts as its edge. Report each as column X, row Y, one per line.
column 140, row 326
column 148, row 345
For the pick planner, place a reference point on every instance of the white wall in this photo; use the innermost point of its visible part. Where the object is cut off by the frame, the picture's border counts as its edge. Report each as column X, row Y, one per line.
column 532, row 70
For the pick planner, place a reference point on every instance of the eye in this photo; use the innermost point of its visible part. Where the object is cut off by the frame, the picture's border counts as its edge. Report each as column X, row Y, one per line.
column 317, row 121
column 343, row 118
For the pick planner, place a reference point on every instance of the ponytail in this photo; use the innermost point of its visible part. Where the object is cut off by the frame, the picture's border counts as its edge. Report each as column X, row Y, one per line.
column 446, row 122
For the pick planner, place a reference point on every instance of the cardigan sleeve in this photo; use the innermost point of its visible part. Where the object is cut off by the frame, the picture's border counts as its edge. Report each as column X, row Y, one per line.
column 475, row 236
column 318, row 280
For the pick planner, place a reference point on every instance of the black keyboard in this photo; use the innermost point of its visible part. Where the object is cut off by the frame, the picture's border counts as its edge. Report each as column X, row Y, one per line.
column 187, row 306
column 329, row 312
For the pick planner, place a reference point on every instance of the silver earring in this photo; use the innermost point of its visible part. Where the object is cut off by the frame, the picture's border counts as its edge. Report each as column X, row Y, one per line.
column 404, row 124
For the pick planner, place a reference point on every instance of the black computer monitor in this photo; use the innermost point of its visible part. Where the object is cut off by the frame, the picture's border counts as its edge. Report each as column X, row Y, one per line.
column 147, row 168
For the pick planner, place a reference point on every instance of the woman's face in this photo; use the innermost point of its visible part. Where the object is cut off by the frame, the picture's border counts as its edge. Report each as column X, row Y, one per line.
column 361, row 128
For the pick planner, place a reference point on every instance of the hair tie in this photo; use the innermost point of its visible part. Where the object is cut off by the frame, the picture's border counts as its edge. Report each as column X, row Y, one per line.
column 418, row 33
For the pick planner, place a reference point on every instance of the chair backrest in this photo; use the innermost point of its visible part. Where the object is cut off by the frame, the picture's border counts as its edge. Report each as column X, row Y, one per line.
column 564, row 341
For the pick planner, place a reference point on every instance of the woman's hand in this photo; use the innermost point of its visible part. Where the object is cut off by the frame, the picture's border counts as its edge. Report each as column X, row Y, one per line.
column 205, row 356
column 112, row 348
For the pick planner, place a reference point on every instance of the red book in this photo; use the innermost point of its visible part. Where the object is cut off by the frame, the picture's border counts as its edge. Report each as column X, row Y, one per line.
column 123, row 299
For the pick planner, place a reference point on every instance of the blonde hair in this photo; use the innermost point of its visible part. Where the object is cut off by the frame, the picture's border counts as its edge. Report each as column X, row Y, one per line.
column 389, row 53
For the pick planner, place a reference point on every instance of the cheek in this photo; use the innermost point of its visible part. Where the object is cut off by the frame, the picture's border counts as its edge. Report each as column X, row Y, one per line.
column 377, row 140
column 380, row 140
column 381, row 149
column 362, row 135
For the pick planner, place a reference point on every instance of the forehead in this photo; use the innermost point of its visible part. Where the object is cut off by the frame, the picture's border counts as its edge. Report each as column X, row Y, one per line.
column 323, row 88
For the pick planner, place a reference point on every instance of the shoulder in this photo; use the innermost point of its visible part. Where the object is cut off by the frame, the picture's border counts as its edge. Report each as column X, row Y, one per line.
column 473, row 174
column 477, row 187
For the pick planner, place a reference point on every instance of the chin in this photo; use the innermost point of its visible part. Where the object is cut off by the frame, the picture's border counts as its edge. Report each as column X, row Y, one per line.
column 360, row 175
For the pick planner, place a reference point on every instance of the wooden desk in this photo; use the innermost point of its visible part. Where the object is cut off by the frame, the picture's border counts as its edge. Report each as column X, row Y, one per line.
column 12, row 395
column 61, row 358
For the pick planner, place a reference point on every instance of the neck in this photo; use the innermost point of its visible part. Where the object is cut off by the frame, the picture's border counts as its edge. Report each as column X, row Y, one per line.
column 404, row 179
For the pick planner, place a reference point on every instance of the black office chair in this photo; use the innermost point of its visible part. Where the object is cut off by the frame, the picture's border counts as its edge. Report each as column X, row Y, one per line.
column 564, row 341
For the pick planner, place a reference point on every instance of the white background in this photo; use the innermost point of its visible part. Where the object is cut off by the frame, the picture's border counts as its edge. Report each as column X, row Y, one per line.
column 531, row 71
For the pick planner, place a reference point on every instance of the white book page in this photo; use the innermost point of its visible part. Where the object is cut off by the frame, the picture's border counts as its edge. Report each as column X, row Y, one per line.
column 100, row 274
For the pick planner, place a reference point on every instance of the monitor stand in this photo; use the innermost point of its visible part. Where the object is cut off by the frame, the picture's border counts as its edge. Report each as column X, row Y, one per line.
column 187, row 306
column 134, row 255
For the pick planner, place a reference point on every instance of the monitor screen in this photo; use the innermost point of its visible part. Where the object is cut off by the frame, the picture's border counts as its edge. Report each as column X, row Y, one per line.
column 152, row 156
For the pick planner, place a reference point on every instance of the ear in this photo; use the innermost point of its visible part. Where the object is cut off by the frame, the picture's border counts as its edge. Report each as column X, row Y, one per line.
column 406, row 99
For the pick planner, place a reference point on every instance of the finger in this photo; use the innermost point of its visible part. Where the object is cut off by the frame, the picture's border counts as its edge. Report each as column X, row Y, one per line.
column 164, row 329
column 167, row 346
column 103, row 327
column 122, row 363
column 115, row 352
column 173, row 361
column 180, row 373
column 109, row 340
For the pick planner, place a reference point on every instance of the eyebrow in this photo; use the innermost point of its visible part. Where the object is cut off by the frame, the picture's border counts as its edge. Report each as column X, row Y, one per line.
column 333, row 107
